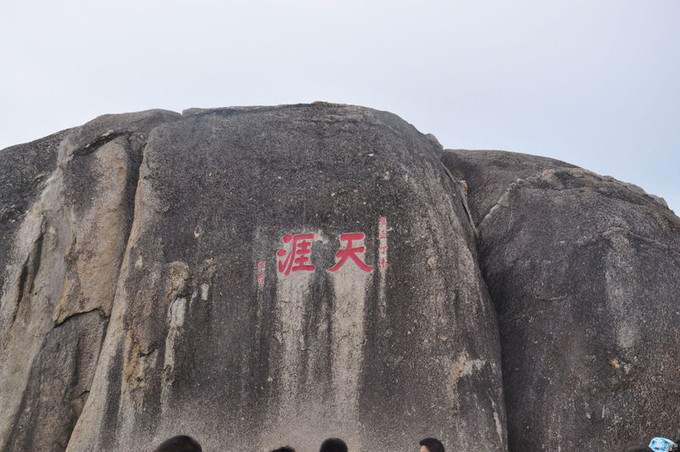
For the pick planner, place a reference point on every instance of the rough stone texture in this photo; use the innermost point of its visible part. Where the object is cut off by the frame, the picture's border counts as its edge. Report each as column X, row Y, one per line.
column 142, row 293
column 58, row 385
column 196, row 344
column 67, row 204
column 583, row 271
column 25, row 168
column 194, row 340
column 501, row 170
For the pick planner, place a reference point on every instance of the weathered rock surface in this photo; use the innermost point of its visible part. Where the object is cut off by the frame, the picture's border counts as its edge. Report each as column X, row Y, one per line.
column 289, row 273
column 501, row 170
column 271, row 275
column 584, row 272
column 67, row 204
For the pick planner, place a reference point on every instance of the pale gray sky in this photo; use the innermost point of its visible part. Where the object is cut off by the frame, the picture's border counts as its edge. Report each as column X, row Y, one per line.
column 595, row 83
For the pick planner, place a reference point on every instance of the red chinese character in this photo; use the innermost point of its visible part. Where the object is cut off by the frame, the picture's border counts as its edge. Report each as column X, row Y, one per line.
column 383, row 250
column 350, row 252
column 261, row 266
column 298, row 254
column 383, row 234
column 260, row 279
column 383, row 263
column 383, row 221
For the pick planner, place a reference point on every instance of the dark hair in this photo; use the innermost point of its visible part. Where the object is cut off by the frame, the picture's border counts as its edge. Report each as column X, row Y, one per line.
column 284, row 449
column 181, row 443
column 432, row 444
column 333, row 445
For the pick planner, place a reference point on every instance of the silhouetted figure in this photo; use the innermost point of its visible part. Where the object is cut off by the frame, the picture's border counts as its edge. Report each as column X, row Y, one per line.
column 284, row 449
column 179, row 443
column 431, row 445
column 333, row 445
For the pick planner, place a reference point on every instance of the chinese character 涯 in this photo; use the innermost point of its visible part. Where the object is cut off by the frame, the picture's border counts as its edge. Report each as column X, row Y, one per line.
column 297, row 258
column 351, row 253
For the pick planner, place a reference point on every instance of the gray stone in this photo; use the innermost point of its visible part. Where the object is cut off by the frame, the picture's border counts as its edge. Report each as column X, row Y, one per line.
column 583, row 271
column 25, row 169
column 205, row 333
column 485, row 188
column 67, row 205
column 147, row 289
column 58, row 385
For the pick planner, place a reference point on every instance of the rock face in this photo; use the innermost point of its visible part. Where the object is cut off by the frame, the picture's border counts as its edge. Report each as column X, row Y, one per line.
column 288, row 274
column 584, row 272
column 262, row 276
column 67, row 204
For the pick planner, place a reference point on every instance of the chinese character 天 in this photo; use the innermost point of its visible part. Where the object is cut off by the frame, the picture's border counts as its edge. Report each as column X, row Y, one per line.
column 350, row 252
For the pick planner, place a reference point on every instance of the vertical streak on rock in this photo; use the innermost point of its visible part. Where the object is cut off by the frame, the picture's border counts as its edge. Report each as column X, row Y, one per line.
column 291, row 294
column 176, row 317
column 619, row 274
column 499, row 424
column 258, row 361
column 382, row 263
column 348, row 337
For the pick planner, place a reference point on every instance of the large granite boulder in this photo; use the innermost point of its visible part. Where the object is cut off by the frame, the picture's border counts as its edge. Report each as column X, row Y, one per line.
column 66, row 205
column 261, row 276
column 584, row 272
column 252, row 277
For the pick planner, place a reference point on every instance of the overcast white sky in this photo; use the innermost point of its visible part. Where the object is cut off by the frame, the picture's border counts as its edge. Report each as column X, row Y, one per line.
column 595, row 83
